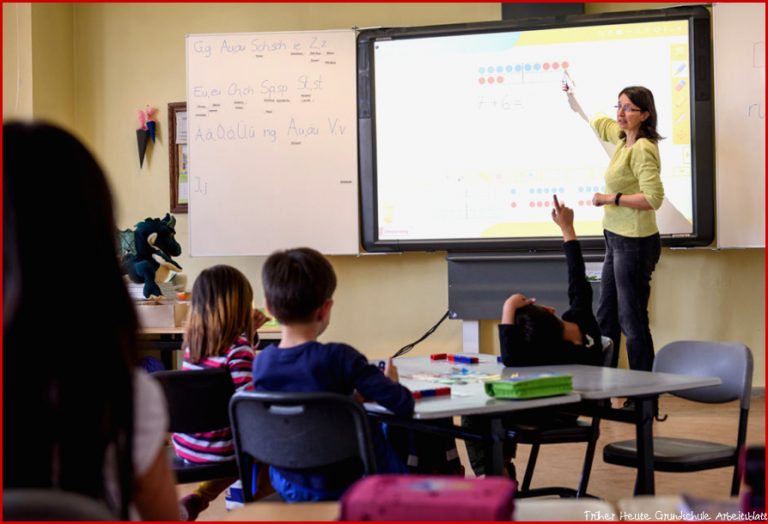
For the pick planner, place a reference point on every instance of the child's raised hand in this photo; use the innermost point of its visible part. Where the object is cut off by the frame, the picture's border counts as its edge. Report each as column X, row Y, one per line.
column 561, row 214
column 391, row 371
column 258, row 318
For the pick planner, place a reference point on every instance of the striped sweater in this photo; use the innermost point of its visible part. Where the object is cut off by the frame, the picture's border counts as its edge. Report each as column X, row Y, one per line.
column 217, row 446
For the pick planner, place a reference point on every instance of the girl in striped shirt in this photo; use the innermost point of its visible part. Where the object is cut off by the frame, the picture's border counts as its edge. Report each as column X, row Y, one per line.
column 219, row 333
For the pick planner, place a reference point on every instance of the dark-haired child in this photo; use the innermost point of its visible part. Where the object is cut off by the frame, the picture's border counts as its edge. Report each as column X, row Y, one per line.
column 532, row 335
column 298, row 289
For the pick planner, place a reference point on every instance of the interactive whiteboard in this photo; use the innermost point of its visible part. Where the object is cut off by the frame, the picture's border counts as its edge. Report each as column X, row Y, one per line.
column 272, row 142
column 470, row 133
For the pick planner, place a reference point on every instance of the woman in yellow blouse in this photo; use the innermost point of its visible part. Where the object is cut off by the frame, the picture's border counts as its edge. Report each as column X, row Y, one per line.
column 633, row 194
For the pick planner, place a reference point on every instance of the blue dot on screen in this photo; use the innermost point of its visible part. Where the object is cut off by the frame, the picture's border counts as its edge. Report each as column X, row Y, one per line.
column 546, row 190
column 513, row 191
column 509, row 69
column 597, row 188
column 531, row 191
column 490, row 69
column 536, row 66
column 482, row 70
column 499, row 69
column 527, row 67
column 517, row 68
column 581, row 188
column 562, row 190
column 538, row 190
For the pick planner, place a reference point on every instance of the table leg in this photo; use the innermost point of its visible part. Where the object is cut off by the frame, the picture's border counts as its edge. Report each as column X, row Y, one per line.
column 494, row 448
column 644, row 410
column 166, row 357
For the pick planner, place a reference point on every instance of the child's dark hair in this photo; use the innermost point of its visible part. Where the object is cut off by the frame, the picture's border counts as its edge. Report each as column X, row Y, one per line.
column 297, row 282
column 64, row 421
column 540, row 328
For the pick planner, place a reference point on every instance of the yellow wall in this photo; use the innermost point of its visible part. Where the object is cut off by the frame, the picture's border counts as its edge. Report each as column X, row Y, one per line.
column 17, row 61
column 125, row 56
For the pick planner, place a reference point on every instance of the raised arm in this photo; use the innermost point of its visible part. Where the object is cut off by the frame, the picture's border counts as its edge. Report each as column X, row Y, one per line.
column 568, row 89
column 563, row 217
column 579, row 288
column 572, row 101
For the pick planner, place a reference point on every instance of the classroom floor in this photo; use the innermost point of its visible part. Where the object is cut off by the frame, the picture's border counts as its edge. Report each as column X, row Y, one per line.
column 560, row 464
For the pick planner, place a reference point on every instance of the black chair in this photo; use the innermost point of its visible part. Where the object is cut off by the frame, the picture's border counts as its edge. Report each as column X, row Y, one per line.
column 578, row 431
column 732, row 363
column 198, row 401
column 298, row 431
column 52, row 505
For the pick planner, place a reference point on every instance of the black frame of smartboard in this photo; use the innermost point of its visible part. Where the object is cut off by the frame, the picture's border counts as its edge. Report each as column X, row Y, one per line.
column 702, row 128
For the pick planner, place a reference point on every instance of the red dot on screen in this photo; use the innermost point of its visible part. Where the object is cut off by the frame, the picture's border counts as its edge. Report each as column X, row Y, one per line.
column 533, row 204
column 539, row 204
column 555, row 66
column 545, row 66
column 565, row 65
column 481, row 80
column 581, row 202
column 500, row 79
column 490, row 80
column 513, row 204
column 546, row 204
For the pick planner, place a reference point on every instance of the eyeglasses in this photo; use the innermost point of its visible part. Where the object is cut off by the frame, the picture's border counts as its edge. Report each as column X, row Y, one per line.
column 627, row 108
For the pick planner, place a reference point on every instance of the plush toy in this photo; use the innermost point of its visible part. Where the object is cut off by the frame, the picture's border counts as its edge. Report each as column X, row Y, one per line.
column 148, row 259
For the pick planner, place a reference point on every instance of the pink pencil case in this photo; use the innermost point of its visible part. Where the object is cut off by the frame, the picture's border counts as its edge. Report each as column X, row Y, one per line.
column 429, row 498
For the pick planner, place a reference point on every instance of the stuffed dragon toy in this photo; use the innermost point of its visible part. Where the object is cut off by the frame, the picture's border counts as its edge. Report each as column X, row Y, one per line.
column 147, row 251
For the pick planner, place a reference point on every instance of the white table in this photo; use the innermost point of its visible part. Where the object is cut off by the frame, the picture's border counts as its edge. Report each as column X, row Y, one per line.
column 433, row 414
column 591, row 384
column 599, row 383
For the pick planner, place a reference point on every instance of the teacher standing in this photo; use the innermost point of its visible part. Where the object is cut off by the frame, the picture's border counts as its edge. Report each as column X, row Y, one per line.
column 633, row 194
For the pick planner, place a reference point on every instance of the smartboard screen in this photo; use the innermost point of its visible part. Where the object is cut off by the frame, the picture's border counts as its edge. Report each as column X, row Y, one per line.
column 466, row 133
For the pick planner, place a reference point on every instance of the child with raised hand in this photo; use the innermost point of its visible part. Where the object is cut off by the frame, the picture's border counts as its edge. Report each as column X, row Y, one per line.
column 532, row 335
column 219, row 333
column 298, row 288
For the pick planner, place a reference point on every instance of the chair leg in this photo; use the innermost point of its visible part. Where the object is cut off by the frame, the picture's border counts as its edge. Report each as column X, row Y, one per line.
column 736, row 481
column 589, row 456
column 530, row 467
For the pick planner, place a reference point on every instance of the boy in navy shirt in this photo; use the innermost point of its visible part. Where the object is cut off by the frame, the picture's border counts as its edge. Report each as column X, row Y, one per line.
column 298, row 288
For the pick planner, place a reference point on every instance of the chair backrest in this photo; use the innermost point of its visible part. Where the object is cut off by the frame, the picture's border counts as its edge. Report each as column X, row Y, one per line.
column 608, row 353
column 300, row 430
column 730, row 361
column 52, row 505
column 198, row 400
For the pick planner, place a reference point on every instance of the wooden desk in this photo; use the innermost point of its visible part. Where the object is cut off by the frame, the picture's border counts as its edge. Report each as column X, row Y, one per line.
column 527, row 510
column 167, row 340
column 591, row 385
column 284, row 512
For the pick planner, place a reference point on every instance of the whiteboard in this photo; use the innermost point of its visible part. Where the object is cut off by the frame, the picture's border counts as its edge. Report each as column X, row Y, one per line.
column 739, row 63
column 272, row 129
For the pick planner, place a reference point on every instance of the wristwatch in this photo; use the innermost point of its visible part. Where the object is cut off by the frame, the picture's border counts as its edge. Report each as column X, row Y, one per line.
column 616, row 199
